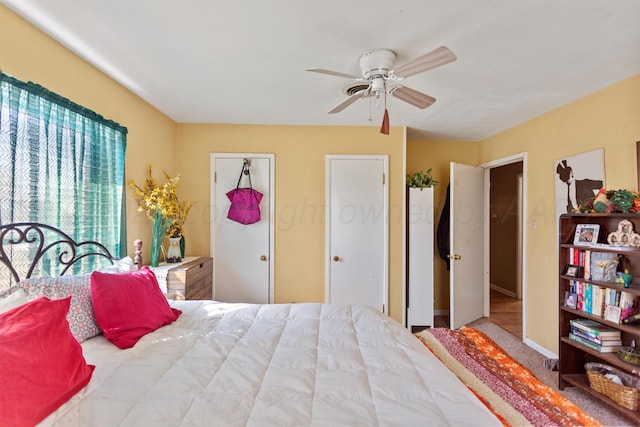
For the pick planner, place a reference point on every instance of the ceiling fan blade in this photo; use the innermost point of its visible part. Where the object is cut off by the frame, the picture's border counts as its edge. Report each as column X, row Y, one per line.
column 411, row 96
column 350, row 100
column 433, row 59
column 334, row 73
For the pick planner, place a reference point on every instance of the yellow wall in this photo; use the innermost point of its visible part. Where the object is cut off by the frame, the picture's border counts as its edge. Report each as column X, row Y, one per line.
column 608, row 119
column 30, row 55
column 422, row 155
column 299, row 194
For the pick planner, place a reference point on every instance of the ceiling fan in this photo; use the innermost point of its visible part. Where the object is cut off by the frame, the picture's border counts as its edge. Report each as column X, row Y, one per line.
column 381, row 77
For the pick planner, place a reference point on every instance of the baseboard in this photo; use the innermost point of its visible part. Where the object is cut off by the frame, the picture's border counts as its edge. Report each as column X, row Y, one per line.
column 540, row 349
column 504, row 291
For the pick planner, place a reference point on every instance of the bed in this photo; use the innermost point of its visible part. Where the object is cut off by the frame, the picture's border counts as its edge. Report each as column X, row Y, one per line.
column 212, row 363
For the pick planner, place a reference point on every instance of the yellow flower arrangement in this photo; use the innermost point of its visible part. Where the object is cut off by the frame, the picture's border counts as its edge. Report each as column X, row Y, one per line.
column 154, row 199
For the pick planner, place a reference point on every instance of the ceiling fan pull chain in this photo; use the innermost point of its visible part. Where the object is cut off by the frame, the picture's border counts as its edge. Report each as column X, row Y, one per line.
column 384, row 129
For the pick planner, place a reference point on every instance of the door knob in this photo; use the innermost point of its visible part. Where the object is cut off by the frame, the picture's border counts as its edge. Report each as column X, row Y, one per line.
column 454, row 257
column 336, row 258
column 263, row 258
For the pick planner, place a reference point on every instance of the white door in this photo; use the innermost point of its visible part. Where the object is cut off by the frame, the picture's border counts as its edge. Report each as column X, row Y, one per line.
column 357, row 232
column 466, row 252
column 242, row 254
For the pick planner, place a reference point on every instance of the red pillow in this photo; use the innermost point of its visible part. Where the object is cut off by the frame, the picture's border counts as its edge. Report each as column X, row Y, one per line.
column 41, row 363
column 129, row 305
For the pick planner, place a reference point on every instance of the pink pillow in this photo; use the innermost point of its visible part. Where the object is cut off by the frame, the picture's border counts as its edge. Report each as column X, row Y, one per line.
column 129, row 305
column 41, row 363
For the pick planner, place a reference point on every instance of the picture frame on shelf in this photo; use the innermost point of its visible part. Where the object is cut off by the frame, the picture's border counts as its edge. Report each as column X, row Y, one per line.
column 586, row 234
column 624, row 235
column 570, row 300
column 613, row 314
column 573, row 270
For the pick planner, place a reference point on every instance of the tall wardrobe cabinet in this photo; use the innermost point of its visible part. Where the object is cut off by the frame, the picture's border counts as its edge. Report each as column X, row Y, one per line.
column 420, row 250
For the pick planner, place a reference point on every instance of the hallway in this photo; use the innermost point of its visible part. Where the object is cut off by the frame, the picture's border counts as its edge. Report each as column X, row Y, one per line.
column 506, row 312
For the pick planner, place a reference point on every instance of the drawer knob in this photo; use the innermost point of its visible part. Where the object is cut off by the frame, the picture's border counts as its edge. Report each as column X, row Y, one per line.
column 263, row 258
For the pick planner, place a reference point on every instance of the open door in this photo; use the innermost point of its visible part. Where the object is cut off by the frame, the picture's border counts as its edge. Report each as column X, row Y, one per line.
column 466, row 273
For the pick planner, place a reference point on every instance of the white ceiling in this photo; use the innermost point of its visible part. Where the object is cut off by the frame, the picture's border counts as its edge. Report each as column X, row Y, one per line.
column 207, row 61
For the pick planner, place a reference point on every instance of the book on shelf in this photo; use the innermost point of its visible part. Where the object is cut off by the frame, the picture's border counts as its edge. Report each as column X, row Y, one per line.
column 612, row 297
column 603, row 341
column 586, row 265
column 603, row 266
column 597, row 300
column 595, row 265
column 628, row 305
column 587, row 333
column 595, row 328
column 592, row 345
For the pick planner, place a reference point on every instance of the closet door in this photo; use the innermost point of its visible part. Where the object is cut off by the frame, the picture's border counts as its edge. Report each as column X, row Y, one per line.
column 242, row 254
column 357, row 230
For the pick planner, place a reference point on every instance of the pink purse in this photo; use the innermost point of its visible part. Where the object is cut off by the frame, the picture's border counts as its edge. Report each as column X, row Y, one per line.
column 245, row 202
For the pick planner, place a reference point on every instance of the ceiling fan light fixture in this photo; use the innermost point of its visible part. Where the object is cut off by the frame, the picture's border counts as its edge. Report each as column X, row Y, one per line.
column 377, row 62
column 378, row 85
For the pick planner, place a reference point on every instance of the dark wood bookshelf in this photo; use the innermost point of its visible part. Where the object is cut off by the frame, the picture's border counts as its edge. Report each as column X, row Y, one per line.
column 572, row 354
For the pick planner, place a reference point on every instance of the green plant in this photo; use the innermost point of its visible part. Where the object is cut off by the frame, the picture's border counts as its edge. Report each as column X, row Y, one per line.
column 421, row 179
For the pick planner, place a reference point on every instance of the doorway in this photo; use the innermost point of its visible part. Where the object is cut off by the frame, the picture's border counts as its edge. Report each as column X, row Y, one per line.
column 505, row 246
column 243, row 254
column 357, row 230
column 518, row 316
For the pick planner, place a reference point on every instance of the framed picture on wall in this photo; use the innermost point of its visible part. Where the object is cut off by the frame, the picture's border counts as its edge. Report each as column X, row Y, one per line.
column 578, row 178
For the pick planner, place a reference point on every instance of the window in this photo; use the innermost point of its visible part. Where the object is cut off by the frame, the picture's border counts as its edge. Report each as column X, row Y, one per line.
column 62, row 165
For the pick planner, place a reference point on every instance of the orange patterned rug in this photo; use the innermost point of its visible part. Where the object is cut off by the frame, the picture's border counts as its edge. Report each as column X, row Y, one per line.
column 510, row 390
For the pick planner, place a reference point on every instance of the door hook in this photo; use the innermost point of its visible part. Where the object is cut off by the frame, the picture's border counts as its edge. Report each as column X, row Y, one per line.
column 247, row 165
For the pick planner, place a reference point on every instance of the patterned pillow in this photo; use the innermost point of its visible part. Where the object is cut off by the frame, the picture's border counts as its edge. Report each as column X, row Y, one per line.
column 81, row 319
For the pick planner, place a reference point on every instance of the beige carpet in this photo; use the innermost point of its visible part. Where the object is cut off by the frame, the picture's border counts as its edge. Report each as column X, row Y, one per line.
column 534, row 361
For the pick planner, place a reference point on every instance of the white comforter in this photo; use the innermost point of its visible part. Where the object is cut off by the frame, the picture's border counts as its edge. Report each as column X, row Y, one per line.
column 271, row 365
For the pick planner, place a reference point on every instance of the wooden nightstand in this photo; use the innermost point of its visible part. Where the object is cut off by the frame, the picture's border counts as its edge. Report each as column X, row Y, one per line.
column 191, row 280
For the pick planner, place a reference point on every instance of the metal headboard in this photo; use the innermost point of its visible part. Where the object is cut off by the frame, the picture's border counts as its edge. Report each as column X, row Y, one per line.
column 44, row 244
